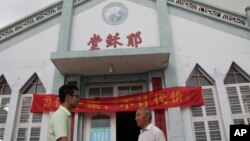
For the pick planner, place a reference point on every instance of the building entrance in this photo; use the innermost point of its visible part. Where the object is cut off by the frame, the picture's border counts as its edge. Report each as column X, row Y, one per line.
column 126, row 127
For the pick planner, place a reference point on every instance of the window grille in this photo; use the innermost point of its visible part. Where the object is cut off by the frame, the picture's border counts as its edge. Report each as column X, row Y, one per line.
column 1, row 133
column 200, row 132
column 214, row 130
column 239, row 121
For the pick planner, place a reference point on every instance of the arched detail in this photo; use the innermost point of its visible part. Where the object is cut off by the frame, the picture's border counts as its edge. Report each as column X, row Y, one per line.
column 33, row 85
column 199, row 77
column 28, row 124
column 4, row 86
column 237, row 83
column 206, row 116
column 236, row 75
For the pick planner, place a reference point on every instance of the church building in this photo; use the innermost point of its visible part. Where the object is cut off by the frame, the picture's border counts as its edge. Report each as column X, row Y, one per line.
column 115, row 48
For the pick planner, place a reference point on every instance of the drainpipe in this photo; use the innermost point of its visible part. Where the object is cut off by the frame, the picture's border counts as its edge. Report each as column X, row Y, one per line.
column 248, row 15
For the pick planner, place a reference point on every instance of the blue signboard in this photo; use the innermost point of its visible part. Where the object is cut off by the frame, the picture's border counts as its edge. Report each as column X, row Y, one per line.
column 100, row 134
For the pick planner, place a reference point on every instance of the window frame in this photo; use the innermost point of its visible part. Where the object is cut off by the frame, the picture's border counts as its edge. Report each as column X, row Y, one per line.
column 34, row 80
column 195, row 76
column 205, row 119
column 28, row 125
column 112, row 115
column 244, row 115
column 3, row 95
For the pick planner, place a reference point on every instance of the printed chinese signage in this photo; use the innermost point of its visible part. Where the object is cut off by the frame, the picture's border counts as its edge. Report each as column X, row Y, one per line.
column 133, row 40
column 162, row 99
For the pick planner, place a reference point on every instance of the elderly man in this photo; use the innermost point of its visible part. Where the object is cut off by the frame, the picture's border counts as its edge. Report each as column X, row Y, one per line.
column 148, row 132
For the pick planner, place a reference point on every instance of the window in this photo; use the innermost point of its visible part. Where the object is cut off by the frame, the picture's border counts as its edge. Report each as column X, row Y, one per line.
column 238, row 92
column 5, row 92
column 206, row 119
column 28, row 124
column 100, row 128
column 235, row 75
column 129, row 89
column 102, row 91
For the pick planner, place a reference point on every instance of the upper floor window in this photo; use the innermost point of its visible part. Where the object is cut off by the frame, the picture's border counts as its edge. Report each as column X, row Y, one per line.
column 112, row 90
column 100, row 92
column 35, row 86
column 130, row 89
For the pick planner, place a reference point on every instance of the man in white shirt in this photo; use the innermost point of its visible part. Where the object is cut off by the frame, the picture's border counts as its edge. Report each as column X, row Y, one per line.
column 60, row 122
column 148, row 132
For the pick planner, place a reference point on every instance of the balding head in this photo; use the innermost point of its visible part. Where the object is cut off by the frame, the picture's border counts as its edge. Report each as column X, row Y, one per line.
column 143, row 117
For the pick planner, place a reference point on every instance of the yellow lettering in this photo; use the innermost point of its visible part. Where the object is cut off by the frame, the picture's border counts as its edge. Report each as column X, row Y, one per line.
column 159, row 98
column 126, row 103
column 176, row 97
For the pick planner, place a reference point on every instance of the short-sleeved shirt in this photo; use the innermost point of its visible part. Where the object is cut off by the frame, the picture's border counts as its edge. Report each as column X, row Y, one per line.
column 151, row 133
column 60, row 124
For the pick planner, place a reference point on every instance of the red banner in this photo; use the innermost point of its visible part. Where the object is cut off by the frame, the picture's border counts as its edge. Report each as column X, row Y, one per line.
column 162, row 99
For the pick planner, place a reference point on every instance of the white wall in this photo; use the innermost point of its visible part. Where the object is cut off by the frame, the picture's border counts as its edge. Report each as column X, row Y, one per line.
column 211, row 48
column 20, row 61
column 214, row 51
column 90, row 22
column 32, row 55
column 193, row 43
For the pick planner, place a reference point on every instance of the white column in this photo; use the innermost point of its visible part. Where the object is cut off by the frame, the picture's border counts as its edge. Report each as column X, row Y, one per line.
column 248, row 15
column 223, row 103
column 11, row 122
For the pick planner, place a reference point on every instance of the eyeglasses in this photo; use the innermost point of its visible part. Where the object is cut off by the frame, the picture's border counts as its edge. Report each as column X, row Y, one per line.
column 75, row 95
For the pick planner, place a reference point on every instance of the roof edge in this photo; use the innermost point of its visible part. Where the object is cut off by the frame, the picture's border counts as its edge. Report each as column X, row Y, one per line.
column 223, row 15
column 41, row 15
column 56, row 8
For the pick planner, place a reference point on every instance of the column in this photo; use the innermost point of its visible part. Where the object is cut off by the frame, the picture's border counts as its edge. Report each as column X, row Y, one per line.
column 248, row 15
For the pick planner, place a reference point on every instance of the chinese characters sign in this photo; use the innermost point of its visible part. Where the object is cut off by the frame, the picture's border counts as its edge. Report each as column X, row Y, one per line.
column 133, row 40
column 162, row 99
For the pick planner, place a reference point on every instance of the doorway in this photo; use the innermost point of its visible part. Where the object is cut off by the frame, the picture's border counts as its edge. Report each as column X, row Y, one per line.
column 126, row 127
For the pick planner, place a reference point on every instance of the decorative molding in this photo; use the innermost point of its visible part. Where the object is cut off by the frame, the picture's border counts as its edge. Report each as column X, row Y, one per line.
column 55, row 9
column 33, row 20
column 211, row 12
column 30, row 21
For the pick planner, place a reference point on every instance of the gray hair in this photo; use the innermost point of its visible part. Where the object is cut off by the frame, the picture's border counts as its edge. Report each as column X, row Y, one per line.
column 147, row 112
